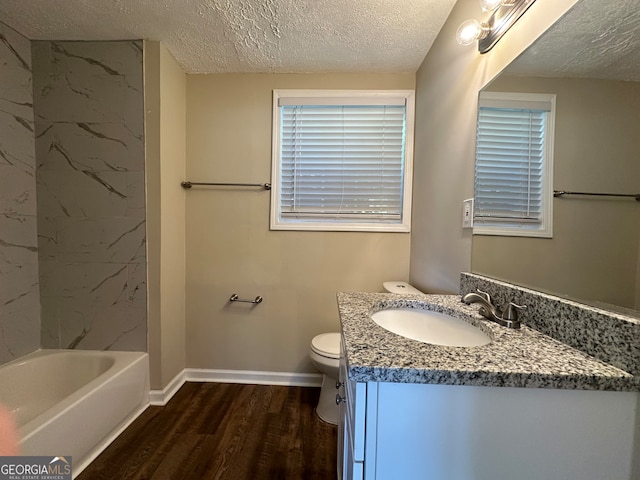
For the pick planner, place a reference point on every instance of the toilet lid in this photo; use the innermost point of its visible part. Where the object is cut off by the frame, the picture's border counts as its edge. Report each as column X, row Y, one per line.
column 327, row 345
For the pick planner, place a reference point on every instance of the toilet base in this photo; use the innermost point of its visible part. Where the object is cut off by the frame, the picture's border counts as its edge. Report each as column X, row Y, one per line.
column 327, row 409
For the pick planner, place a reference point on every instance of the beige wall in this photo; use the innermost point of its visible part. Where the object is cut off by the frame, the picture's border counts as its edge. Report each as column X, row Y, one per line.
column 230, row 248
column 446, row 107
column 152, row 196
column 165, row 131
column 173, row 151
column 594, row 251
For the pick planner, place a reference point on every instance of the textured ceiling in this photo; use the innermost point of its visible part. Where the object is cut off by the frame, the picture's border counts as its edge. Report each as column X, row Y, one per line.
column 595, row 39
column 207, row 36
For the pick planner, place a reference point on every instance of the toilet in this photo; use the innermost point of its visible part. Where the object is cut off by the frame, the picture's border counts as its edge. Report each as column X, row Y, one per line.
column 325, row 355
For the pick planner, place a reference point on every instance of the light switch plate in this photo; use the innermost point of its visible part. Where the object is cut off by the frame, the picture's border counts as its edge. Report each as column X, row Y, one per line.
column 467, row 213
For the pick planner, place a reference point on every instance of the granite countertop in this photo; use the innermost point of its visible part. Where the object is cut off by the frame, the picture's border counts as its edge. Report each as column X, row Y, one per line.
column 515, row 358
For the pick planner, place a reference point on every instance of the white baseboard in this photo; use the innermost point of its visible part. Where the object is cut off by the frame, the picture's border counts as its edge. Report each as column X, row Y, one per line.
column 161, row 397
column 253, row 377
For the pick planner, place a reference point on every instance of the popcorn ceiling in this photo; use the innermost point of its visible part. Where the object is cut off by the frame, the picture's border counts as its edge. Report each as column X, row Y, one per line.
column 261, row 36
column 598, row 41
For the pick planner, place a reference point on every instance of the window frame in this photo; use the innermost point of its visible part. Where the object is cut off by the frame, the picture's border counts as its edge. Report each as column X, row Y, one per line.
column 347, row 97
column 515, row 228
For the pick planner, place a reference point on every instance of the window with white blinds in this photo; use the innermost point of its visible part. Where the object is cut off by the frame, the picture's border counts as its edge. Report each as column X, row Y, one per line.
column 514, row 164
column 342, row 160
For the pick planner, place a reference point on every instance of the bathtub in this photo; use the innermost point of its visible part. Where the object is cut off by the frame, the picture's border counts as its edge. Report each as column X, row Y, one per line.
column 72, row 402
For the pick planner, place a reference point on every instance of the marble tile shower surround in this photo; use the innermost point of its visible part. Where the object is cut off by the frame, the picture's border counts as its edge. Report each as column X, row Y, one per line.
column 607, row 336
column 19, row 286
column 88, row 103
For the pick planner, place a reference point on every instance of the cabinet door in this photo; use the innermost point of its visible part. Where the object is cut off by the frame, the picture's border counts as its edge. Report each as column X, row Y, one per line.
column 352, row 470
column 351, row 427
column 458, row 432
column 343, row 437
column 356, row 407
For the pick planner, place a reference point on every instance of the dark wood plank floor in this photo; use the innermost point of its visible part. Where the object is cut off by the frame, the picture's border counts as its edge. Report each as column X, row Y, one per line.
column 224, row 431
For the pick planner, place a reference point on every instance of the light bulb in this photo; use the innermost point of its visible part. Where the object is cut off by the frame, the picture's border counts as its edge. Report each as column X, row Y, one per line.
column 490, row 5
column 470, row 31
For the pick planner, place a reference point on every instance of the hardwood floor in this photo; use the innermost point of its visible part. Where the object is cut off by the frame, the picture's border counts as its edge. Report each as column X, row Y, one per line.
column 224, row 431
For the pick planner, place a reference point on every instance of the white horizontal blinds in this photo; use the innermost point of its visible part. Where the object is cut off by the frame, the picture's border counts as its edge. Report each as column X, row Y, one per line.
column 343, row 162
column 509, row 166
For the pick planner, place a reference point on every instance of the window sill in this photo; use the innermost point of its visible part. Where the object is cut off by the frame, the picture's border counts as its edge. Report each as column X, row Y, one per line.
column 329, row 227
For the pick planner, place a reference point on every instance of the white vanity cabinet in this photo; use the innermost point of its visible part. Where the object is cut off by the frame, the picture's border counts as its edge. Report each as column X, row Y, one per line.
column 391, row 431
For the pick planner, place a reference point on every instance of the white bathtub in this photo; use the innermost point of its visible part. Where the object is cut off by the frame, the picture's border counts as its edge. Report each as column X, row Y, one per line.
column 72, row 402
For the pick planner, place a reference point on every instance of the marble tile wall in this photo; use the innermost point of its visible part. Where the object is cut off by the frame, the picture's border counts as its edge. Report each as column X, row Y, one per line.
column 609, row 336
column 88, row 103
column 19, row 290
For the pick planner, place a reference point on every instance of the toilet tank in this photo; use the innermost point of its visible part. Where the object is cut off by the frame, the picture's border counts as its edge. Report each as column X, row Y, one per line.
column 399, row 287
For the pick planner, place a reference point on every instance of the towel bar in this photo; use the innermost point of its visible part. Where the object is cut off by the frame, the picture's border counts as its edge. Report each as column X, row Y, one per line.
column 235, row 298
column 187, row 185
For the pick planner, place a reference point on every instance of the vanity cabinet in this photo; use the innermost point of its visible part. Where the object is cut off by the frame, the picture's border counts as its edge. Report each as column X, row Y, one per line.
column 391, row 431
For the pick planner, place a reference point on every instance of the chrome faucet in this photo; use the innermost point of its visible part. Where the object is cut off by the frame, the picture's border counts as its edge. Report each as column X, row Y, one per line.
column 489, row 310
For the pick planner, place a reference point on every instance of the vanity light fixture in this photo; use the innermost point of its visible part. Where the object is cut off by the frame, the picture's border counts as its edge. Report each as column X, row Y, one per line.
column 505, row 14
column 491, row 5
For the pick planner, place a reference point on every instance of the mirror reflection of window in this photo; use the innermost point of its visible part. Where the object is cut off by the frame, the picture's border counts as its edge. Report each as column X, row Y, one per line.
column 514, row 164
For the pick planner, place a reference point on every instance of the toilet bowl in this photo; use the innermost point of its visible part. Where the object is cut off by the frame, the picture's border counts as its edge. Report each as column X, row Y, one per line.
column 325, row 355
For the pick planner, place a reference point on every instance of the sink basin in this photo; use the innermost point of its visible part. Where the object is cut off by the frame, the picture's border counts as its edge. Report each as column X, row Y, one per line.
column 431, row 327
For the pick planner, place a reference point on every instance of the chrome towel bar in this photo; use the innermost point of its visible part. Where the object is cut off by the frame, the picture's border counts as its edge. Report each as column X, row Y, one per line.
column 235, row 298
column 187, row 185
column 560, row 193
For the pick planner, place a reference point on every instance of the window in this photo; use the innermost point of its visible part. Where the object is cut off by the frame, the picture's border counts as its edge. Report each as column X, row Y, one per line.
column 514, row 165
column 342, row 160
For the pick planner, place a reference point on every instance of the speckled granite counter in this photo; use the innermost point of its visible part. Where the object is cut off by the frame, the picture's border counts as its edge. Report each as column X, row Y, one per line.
column 611, row 337
column 515, row 358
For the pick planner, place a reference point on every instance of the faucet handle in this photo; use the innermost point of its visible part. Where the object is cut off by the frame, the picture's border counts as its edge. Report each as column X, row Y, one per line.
column 486, row 296
column 512, row 311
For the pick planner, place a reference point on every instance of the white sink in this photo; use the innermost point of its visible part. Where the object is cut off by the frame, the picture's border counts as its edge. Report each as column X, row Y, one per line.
column 431, row 327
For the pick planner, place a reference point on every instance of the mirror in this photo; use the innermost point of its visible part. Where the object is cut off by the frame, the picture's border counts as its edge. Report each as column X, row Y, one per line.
column 591, row 60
